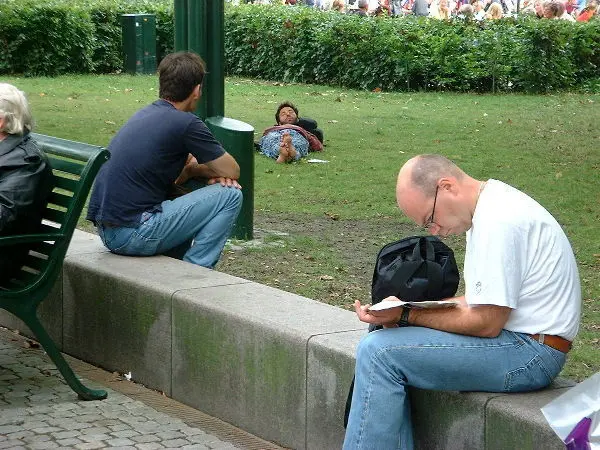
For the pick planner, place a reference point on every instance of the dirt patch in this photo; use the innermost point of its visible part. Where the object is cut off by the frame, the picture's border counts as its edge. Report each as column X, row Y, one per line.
column 324, row 259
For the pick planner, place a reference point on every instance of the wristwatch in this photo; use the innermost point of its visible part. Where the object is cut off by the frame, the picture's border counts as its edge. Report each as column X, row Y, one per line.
column 404, row 317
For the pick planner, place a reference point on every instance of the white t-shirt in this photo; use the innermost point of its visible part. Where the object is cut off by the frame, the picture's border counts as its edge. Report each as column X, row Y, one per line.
column 517, row 255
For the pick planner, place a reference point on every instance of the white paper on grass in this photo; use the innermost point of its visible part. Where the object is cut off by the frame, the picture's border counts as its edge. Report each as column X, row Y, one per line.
column 580, row 401
column 426, row 305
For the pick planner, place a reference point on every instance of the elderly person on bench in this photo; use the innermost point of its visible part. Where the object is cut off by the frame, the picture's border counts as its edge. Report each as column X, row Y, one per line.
column 25, row 177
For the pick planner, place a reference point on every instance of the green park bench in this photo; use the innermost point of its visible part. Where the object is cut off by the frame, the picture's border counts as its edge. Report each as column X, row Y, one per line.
column 74, row 166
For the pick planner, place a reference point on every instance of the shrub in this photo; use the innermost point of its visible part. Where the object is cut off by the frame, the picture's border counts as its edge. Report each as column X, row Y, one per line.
column 302, row 44
column 307, row 45
column 62, row 36
column 45, row 38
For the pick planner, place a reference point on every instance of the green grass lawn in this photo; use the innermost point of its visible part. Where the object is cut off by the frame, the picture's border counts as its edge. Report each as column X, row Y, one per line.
column 339, row 213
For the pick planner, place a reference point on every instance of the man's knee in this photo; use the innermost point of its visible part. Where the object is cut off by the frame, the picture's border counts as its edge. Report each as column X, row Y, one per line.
column 369, row 345
column 228, row 195
column 235, row 197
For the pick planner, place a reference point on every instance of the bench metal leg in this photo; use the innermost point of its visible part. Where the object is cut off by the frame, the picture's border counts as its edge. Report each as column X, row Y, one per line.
column 46, row 341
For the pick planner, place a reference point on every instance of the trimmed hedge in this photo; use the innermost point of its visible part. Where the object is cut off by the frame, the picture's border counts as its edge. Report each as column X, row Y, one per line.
column 305, row 45
column 45, row 39
column 73, row 36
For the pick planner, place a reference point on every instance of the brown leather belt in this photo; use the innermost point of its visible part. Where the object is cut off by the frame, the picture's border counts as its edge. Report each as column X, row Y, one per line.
column 556, row 342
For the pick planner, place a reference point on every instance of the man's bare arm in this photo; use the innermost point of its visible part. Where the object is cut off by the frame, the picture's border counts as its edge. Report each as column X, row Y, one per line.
column 224, row 166
column 479, row 320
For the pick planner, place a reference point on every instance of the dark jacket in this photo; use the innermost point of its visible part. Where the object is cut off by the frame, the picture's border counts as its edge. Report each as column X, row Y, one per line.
column 310, row 125
column 25, row 184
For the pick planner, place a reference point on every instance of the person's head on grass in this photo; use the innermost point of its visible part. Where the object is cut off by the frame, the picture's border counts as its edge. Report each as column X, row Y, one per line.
column 286, row 114
column 180, row 77
column 15, row 116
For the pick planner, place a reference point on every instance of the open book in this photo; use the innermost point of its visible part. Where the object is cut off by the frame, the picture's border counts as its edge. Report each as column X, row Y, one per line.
column 427, row 304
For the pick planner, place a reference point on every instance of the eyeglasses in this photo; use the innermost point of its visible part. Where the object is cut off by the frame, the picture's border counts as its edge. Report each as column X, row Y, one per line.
column 430, row 221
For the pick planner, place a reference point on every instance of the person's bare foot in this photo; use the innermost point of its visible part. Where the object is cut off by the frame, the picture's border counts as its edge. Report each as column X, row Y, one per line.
column 286, row 140
column 283, row 154
column 291, row 153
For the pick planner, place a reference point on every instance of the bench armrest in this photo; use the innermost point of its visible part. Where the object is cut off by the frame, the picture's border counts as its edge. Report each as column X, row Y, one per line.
column 30, row 238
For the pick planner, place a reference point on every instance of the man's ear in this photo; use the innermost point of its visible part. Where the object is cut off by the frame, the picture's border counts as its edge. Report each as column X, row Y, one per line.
column 448, row 184
column 198, row 91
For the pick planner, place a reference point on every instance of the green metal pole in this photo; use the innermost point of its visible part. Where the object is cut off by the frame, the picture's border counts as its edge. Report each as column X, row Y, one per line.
column 181, row 24
column 199, row 27
column 197, row 39
column 215, row 58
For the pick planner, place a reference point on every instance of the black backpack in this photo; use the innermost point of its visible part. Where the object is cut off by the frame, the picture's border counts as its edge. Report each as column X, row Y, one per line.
column 415, row 268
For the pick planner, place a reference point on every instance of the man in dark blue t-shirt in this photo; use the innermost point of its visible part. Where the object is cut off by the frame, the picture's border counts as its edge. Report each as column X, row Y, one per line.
column 161, row 145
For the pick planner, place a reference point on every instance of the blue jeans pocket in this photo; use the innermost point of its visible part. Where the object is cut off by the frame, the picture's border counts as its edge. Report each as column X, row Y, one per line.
column 129, row 242
column 116, row 238
column 140, row 245
column 534, row 375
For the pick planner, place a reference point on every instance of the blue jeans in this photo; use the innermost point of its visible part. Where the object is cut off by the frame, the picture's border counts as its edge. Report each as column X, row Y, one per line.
column 389, row 360
column 193, row 227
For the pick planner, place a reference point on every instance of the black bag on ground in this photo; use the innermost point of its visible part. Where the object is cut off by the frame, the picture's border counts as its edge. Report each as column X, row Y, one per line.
column 416, row 268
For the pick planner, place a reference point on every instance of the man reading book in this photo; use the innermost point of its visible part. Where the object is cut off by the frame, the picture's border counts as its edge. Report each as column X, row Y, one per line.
column 513, row 327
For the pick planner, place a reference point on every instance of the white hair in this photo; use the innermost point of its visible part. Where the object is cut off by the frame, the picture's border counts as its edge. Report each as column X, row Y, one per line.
column 14, row 109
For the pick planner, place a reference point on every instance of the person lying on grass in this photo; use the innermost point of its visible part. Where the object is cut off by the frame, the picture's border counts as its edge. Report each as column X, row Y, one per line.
column 292, row 137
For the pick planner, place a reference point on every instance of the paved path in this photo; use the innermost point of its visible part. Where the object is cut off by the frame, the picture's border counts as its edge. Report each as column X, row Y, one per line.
column 38, row 410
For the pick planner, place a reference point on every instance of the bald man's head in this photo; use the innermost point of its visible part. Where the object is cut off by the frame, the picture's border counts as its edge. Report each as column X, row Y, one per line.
column 419, row 180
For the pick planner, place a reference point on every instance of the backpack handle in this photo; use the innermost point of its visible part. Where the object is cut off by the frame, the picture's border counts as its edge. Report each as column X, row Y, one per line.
column 432, row 268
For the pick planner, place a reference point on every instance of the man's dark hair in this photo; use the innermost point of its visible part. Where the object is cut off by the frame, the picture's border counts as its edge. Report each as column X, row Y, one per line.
column 178, row 75
column 285, row 105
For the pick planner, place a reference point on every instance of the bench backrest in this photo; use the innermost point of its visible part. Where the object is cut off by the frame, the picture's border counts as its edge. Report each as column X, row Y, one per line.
column 74, row 166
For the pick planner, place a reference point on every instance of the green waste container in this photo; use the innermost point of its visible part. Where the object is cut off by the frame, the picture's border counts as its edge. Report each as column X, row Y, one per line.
column 237, row 138
column 139, row 43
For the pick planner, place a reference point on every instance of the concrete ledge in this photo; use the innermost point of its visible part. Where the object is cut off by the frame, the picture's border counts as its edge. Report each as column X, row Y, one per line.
column 273, row 363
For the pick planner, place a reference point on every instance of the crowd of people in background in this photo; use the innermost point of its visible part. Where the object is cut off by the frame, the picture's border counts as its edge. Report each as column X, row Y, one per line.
column 572, row 10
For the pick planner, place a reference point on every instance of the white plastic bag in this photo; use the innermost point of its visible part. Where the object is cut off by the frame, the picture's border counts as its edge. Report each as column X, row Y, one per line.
column 575, row 415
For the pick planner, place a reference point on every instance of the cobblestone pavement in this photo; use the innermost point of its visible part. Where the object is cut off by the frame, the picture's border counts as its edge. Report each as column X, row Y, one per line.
column 39, row 411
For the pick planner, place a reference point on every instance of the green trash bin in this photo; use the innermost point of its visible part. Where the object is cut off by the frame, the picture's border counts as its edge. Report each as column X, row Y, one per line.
column 139, row 43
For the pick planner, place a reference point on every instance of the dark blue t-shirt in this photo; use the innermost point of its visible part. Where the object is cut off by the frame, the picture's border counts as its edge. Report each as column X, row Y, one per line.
column 146, row 157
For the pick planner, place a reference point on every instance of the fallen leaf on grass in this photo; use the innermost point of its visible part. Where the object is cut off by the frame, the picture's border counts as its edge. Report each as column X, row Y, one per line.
column 31, row 344
column 332, row 216
column 326, row 277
